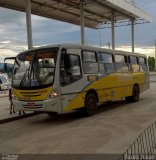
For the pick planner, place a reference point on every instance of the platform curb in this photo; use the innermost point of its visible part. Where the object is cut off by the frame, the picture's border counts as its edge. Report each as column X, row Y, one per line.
column 10, row 119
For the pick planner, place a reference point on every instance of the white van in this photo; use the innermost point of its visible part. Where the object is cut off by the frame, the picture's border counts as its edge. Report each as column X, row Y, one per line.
column 4, row 82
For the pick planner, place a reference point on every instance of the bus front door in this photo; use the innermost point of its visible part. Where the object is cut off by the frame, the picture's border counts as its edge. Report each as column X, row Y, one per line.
column 71, row 82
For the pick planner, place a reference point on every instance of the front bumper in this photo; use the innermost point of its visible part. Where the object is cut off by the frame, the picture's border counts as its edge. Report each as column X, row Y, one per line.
column 50, row 105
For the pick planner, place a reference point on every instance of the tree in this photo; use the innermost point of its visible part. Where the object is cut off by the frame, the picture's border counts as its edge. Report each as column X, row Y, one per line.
column 151, row 63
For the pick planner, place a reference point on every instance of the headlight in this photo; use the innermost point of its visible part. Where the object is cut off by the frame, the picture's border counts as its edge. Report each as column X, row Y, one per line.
column 53, row 94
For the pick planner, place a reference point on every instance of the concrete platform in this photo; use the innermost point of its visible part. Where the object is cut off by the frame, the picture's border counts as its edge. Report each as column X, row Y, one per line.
column 4, row 94
column 5, row 110
column 111, row 131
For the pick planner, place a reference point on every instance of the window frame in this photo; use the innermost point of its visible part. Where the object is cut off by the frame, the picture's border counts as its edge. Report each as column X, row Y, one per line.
column 143, row 64
column 105, row 63
column 137, row 63
column 81, row 76
column 137, row 60
column 96, row 62
column 36, row 51
column 126, row 62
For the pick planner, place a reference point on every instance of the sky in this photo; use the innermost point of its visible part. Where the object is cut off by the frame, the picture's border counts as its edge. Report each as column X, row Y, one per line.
column 13, row 36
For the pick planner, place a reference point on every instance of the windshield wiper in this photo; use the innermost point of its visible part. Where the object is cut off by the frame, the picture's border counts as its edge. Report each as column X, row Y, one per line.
column 24, row 77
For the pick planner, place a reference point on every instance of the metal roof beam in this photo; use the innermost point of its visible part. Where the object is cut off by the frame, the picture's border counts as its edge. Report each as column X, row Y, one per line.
column 96, row 12
column 65, row 11
column 111, row 8
column 76, row 6
column 99, row 15
column 87, row 11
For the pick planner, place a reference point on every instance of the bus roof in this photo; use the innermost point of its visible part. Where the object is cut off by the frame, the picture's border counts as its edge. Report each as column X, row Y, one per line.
column 86, row 47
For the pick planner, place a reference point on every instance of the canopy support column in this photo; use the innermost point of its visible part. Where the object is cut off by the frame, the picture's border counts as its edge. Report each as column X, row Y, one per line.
column 82, row 21
column 100, row 37
column 28, row 22
column 113, row 31
column 132, row 34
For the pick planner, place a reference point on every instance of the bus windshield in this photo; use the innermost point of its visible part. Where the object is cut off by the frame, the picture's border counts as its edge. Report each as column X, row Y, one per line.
column 34, row 68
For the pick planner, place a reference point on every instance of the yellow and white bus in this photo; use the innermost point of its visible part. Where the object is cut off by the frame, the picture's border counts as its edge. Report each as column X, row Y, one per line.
column 68, row 77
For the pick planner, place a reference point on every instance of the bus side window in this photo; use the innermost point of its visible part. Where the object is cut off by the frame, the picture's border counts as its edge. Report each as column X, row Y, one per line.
column 134, row 63
column 106, row 63
column 90, row 65
column 121, row 63
column 70, row 70
column 143, row 64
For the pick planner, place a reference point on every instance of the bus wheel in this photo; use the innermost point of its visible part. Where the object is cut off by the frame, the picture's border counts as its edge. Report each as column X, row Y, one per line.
column 90, row 104
column 135, row 95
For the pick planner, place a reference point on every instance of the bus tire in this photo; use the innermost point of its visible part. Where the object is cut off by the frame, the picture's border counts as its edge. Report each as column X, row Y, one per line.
column 90, row 104
column 135, row 95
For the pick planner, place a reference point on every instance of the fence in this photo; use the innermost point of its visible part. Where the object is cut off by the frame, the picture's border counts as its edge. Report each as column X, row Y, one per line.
column 144, row 147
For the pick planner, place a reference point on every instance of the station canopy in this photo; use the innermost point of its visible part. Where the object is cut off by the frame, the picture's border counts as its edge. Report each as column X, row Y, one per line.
column 97, row 13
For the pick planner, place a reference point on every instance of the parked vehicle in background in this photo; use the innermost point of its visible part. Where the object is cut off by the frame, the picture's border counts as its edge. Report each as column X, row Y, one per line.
column 4, row 82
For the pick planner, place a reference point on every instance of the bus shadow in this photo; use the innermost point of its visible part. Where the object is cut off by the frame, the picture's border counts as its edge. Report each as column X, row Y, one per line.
column 111, row 105
column 78, row 115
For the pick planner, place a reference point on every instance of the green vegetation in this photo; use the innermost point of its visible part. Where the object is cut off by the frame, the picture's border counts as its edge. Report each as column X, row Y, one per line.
column 151, row 63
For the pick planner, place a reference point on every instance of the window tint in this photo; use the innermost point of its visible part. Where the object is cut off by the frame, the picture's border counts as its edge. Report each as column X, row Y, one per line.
column 142, row 60
column 46, row 70
column 143, row 66
column 119, row 59
column 35, row 68
column 89, row 56
column 106, row 58
column 121, row 67
column 134, row 64
column 70, row 70
column 106, row 64
column 90, row 68
column 121, row 63
column 133, row 60
column 109, row 67
column 90, row 65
